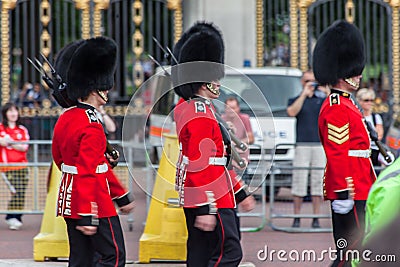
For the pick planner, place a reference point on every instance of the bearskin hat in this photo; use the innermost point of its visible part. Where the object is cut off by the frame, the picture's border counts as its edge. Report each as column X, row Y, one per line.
column 200, row 43
column 61, row 66
column 92, row 67
column 339, row 53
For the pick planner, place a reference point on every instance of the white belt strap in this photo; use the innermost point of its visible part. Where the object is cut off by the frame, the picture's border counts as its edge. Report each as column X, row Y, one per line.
column 217, row 161
column 102, row 168
column 69, row 169
column 360, row 153
column 74, row 170
column 185, row 160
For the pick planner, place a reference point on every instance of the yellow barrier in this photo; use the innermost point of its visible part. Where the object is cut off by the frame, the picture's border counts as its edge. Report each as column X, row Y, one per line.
column 165, row 234
column 52, row 241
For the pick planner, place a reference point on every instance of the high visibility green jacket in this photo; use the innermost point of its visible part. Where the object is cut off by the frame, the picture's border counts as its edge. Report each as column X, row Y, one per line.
column 383, row 200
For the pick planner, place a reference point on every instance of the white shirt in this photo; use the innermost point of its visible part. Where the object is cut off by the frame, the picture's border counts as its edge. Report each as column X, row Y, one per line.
column 378, row 120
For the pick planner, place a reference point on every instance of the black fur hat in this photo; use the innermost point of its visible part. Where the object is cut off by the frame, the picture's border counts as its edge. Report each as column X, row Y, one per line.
column 61, row 66
column 200, row 43
column 92, row 67
column 339, row 53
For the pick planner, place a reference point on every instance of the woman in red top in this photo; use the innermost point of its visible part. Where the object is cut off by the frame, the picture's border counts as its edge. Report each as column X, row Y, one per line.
column 12, row 132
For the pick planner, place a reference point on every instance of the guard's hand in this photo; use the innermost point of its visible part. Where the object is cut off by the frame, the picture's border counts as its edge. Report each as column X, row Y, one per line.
column 236, row 165
column 206, row 223
column 342, row 206
column 87, row 230
column 127, row 208
column 247, row 204
column 382, row 159
column 111, row 158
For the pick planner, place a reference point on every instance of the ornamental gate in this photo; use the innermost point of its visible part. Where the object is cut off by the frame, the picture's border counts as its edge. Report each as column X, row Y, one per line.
column 379, row 23
column 31, row 27
column 291, row 28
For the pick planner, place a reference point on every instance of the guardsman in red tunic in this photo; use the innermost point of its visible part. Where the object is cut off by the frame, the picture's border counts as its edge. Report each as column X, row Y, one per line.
column 208, row 191
column 89, row 187
column 338, row 61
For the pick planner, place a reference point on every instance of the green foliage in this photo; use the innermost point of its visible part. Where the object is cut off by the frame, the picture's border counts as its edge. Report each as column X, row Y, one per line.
column 374, row 71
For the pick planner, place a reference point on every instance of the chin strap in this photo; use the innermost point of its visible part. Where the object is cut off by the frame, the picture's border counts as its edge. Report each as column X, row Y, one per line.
column 212, row 89
column 102, row 95
column 352, row 82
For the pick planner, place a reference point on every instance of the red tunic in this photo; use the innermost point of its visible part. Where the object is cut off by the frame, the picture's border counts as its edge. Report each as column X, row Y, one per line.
column 200, row 139
column 346, row 142
column 88, row 184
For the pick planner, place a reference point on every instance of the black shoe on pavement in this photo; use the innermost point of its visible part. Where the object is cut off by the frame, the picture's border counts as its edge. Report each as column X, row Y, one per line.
column 315, row 223
column 296, row 223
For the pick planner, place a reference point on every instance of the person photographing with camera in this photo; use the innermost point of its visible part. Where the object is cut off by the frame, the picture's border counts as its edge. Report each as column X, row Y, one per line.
column 309, row 152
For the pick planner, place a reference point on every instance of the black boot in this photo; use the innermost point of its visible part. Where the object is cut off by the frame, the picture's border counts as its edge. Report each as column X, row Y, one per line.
column 296, row 223
column 315, row 223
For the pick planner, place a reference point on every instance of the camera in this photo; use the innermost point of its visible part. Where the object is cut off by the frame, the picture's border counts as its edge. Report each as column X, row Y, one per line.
column 315, row 85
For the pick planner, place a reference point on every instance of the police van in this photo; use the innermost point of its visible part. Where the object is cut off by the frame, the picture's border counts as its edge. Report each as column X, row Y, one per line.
column 274, row 131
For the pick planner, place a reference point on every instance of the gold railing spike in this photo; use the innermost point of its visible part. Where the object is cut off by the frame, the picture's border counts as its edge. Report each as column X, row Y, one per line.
column 260, row 32
column 137, row 42
column 350, row 11
column 5, row 40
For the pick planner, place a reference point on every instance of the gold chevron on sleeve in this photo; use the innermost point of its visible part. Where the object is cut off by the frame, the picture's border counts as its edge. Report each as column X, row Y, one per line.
column 338, row 135
column 338, row 129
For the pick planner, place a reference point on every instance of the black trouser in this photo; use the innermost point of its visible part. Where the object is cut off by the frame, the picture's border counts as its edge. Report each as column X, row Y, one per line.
column 19, row 179
column 107, row 243
column 348, row 232
column 220, row 247
column 374, row 157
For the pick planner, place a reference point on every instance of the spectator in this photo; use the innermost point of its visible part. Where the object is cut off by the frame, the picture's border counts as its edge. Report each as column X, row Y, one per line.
column 11, row 132
column 33, row 97
column 23, row 93
column 309, row 152
column 108, row 123
column 239, row 124
column 366, row 98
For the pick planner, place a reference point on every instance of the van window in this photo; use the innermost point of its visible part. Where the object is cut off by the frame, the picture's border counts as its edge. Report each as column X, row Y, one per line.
column 277, row 89
column 164, row 95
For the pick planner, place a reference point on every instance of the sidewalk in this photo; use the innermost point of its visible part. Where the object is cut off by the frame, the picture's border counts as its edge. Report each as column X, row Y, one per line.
column 16, row 247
